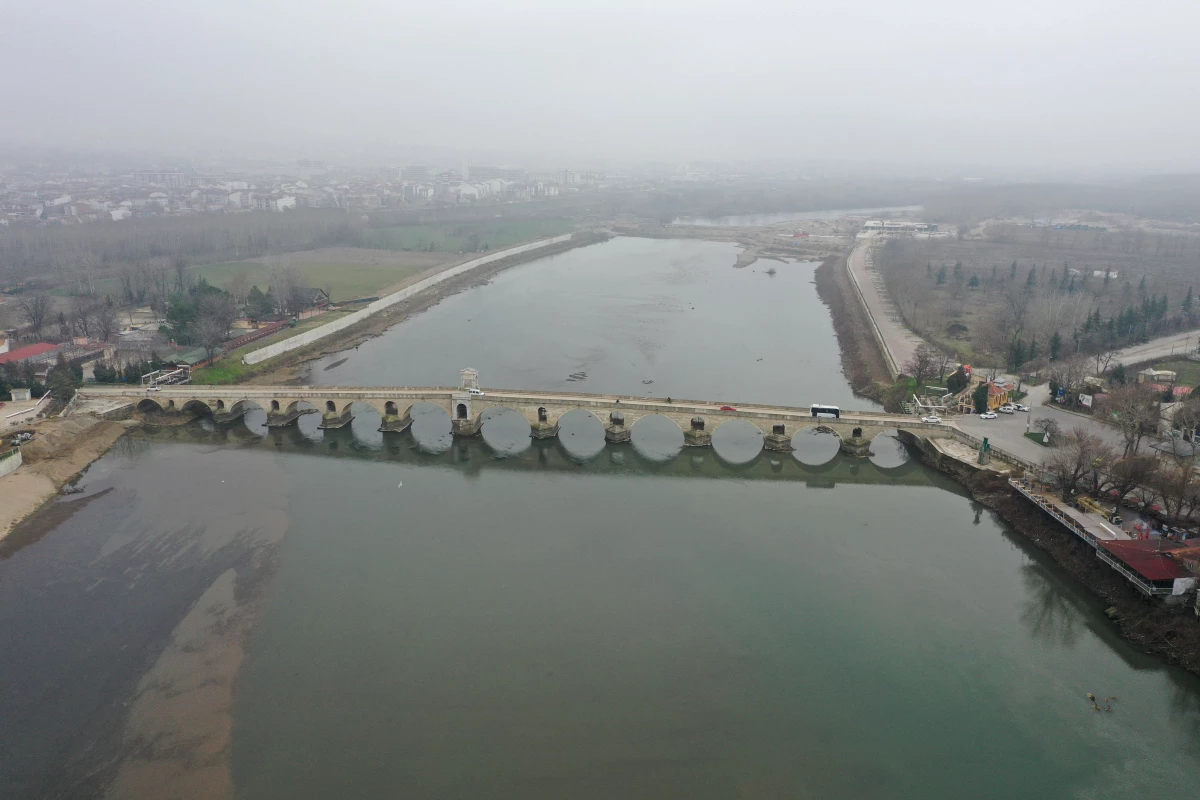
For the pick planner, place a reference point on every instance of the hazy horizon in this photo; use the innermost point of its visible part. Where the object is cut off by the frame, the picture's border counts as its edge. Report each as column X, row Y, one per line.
column 1088, row 87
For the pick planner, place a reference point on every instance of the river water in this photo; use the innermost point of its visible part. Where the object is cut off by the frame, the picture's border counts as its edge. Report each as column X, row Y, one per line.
column 308, row 614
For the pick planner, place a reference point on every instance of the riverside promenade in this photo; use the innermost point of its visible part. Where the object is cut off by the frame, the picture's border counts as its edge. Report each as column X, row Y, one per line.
column 897, row 341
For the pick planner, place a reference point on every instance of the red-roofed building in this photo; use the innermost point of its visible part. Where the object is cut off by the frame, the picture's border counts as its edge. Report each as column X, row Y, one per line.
column 1148, row 564
column 26, row 353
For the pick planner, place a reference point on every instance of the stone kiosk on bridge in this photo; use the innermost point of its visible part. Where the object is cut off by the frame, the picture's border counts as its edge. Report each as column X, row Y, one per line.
column 466, row 404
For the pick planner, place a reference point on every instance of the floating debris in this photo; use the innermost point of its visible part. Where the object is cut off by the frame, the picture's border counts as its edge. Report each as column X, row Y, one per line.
column 577, row 376
column 647, row 383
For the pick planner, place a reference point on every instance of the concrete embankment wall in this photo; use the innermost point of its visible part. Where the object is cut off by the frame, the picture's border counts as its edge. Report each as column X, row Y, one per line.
column 888, row 358
column 9, row 461
column 308, row 337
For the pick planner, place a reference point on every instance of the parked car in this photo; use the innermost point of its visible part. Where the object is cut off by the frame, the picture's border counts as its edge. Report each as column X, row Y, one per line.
column 474, row 391
column 989, row 415
column 1006, row 409
column 933, row 420
column 1020, row 407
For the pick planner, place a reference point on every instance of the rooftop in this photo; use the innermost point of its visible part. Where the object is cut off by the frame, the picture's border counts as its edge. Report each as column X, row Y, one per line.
column 29, row 351
column 1148, row 557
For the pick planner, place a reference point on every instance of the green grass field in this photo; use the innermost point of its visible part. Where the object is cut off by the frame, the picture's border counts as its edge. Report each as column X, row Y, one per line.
column 347, row 281
column 229, row 367
column 1188, row 371
column 451, row 237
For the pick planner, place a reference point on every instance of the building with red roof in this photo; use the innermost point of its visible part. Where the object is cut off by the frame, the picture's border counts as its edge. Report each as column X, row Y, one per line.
column 1148, row 564
column 26, row 353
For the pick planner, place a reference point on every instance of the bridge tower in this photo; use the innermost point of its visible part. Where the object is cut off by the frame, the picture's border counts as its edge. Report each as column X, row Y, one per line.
column 463, row 420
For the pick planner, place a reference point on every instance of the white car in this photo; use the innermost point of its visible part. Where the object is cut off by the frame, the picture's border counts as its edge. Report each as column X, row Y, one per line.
column 474, row 391
column 1020, row 407
column 989, row 415
column 933, row 420
column 1006, row 409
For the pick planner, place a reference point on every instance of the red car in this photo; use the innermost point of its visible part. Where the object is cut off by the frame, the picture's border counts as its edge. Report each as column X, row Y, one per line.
column 728, row 408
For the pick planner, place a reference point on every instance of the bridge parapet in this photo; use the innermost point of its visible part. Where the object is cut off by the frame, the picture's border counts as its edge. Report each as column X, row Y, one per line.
column 698, row 420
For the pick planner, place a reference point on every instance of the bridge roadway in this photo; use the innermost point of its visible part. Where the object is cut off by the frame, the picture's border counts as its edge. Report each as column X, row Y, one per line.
column 618, row 413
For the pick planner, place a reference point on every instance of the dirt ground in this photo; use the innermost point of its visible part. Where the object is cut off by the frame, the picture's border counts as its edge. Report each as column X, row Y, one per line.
column 61, row 450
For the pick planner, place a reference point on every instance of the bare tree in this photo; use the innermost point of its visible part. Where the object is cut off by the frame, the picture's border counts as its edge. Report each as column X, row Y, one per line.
column 215, row 313
column 1103, row 358
column 924, row 362
column 1049, row 427
column 1076, row 458
column 1126, row 474
column 1176, row 485
column 104, row 320
column 35, row 307
column 239, row 286
column 1135, row 412
column 81, row 315
column 1068, row 373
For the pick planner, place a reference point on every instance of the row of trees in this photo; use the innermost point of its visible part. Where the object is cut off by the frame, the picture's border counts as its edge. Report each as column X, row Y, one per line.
column 1083, row 461
column 62, row 379
column 152, row 253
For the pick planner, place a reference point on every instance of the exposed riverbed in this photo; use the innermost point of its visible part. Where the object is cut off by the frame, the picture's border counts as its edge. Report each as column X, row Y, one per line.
column 348, row 613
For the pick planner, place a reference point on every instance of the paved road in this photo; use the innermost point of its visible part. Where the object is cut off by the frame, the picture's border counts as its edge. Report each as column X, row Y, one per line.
column 1008, row 432
column 901, row 342
column 1160, row 348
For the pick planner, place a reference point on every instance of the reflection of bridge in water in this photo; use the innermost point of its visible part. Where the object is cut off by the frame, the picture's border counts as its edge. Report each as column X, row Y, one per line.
column 467, row 405
column 475, row 455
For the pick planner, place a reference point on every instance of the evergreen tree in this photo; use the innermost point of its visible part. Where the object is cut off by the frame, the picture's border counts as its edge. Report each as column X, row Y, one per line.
column 1142, row 287
column 958, row 270
column 1033, row 349
column 1012, row 273
column 974, row 282
column 941, row 275
column 1055, row 346
column 1188, row 302
column 1031, row 279
column 928, row 269
column 993, row 273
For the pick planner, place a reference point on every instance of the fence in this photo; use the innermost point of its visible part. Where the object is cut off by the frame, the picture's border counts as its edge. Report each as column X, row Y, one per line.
column 9, row 461
column 308, row 337
column 21, row 417
column 1003, row 455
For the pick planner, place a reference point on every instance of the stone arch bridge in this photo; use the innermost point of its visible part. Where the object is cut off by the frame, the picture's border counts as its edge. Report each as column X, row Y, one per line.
column 697, row 419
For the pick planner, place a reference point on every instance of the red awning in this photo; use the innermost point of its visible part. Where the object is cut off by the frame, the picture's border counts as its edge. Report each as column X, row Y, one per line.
column 1144, row 557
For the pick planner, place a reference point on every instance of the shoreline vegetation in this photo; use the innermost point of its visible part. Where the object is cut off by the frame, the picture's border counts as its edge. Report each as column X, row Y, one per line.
column 1171, row 633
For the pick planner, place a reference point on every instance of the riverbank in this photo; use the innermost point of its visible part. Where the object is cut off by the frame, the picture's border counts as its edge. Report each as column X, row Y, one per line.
column 1169, row 632
column 291, row 366
column 62, row 449
column 862, row 362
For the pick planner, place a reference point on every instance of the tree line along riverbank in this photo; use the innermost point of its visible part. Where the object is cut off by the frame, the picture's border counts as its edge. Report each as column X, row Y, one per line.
column 1170, row 632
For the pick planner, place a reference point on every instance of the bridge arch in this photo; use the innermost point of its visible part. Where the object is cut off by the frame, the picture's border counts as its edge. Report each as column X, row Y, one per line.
column 816, row 445
column 581, row 434
column 504, row 429
column 148, row 405
column 737, row 441
column 196, row 406
column 656, row 437
column 888, row 450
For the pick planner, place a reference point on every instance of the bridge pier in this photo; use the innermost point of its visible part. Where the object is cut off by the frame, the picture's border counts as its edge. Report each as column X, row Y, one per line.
column 615, row 431
column 696, row 436
column 777, row 440
column 466, row 427
column 333, row 421
column 856, row 445
column 393, row 423
column 543, row 430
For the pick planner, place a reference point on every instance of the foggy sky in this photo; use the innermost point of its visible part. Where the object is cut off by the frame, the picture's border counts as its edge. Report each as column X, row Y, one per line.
column 1056, row 83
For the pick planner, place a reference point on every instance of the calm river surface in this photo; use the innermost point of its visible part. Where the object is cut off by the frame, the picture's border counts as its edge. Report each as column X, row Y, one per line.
column 308, row 614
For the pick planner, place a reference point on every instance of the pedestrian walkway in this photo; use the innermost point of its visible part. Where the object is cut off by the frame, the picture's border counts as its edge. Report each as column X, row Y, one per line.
column 898, row 341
